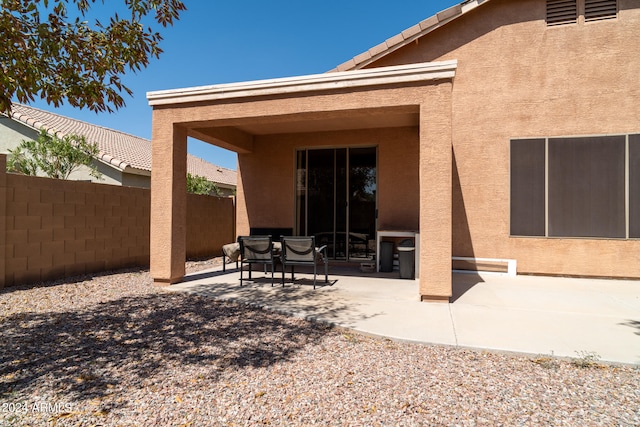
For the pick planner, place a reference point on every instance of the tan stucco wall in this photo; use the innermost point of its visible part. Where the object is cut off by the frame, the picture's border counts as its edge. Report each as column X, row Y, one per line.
column 266, row 160
column 135, row 180
column 519, row 78
column 168, row 201
column 435, row 197
column 12, row 133
column 272, row 167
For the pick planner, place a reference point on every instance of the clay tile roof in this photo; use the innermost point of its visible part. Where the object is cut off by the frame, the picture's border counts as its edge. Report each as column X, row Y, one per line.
column 409, row 35
column 198, row 166
column 117, row 148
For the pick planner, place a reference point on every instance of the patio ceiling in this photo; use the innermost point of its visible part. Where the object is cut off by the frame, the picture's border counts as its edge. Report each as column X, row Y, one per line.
column 357, row 119
column 238, row 134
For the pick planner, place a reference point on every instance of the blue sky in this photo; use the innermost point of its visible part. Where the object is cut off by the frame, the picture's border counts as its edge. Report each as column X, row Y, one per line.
column 232, row 41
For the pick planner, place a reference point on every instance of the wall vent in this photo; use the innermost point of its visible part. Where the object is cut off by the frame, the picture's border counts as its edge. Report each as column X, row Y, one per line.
column 595, row 10
column 562, row 12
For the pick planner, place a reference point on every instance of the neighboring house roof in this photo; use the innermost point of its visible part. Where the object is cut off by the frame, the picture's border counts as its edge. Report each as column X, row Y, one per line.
column 409, row 35
column 198, row 166
column 118, row 149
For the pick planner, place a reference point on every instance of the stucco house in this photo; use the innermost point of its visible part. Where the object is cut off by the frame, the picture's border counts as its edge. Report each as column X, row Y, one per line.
column 499, row 129
column 124, row 159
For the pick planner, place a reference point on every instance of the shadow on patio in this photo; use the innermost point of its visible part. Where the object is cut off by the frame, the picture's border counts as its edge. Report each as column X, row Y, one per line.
column 296, row 298
column 635, row 324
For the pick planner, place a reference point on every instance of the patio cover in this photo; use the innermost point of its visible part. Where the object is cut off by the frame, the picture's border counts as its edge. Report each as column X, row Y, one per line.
column 232, row 115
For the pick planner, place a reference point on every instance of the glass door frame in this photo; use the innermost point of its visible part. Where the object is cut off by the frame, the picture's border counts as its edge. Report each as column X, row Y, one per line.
column 298, row 228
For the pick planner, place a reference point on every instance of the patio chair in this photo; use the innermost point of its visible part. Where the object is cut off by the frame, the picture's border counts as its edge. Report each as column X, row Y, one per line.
column 301, row 250
column 256, row 250
column 231, row 251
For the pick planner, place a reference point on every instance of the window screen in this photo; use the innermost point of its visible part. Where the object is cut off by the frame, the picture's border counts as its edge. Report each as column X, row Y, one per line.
column 634, row 186
column 586, row 187
column 528, row 187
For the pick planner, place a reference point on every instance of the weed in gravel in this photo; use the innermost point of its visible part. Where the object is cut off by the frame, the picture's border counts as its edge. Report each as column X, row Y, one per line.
column 350, row 338
column 586, row 359
column 546, row 362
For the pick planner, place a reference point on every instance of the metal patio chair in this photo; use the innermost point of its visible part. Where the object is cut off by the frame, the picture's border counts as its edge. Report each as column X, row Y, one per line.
column 301, row 250
column 256, row 250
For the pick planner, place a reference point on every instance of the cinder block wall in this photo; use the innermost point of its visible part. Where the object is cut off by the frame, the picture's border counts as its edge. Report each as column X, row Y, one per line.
column 52, row 228
column 210, row 224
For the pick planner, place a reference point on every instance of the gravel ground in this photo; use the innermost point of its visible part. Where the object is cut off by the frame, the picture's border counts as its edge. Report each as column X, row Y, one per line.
column 113, row 350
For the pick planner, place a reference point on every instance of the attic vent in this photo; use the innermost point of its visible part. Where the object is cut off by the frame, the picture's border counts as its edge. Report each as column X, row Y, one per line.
column 595, row 10
column 562, row 12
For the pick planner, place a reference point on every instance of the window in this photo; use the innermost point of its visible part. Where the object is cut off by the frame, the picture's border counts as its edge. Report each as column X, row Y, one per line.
column 634, row 186
column 576, row 187
column 562, row 12
column 595, row 10
column 528, row 187
column 586, row 187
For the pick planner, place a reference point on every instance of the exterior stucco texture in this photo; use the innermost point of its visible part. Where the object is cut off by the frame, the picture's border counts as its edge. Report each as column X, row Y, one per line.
column 519, row 78
column 443, row 143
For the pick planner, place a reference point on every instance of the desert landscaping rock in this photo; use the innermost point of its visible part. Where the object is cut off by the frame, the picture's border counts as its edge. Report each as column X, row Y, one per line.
column 115, row 350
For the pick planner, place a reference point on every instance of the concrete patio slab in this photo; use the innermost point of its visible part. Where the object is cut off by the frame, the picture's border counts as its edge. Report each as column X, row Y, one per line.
column 526, row 314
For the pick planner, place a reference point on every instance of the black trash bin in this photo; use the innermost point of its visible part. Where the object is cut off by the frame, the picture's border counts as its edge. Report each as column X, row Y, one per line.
column 386, row 256
column 407, row 259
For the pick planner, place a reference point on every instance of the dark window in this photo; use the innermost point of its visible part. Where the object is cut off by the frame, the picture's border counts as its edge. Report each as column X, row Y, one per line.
column 528, row 187
column 576, row 187
column 586, row 187
column 634, row 186
column 562, row 12
column 595, row 10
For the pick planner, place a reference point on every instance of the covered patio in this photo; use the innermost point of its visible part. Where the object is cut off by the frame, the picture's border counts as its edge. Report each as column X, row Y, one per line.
column 402, row 112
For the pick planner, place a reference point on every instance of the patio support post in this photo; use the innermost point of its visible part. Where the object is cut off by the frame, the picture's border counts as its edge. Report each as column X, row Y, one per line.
column 436, row 194
column 168, row 200
column 3, row 219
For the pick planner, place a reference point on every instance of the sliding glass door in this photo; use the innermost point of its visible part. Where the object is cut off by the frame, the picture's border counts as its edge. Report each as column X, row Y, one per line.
column 336, row 200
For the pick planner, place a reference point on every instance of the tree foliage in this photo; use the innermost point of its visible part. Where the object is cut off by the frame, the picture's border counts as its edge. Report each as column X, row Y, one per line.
column 197, row 184
column 49, row 49
column 53, row 156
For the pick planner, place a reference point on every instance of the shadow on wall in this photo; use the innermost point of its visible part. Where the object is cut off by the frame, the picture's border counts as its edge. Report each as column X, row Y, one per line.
column 461, row 239
column 74, row 351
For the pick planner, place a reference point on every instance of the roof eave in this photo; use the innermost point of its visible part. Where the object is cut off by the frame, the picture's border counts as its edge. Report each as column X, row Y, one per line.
column 135, row 171
column 309, row 83
column 226, row 186
column 113, row 161
column 408, row 36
